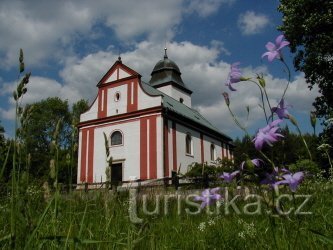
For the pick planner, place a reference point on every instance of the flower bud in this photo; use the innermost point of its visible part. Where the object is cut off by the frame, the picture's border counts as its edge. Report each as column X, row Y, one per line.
column 293, row 120
column 226, row 98
column 313, row 119
column 21, row 56
column 21, row 67
column 261, row 80
column 15, row 95
column 52, row 169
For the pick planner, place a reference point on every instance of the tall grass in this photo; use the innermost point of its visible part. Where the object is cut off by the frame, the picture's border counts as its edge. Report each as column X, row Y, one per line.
column 100, row 220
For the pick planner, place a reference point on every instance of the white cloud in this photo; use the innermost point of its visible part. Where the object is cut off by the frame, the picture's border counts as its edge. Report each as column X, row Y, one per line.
column 39, row 88
column 50, row 30
column 251, row 23
column 202, row 72
column 206, row 7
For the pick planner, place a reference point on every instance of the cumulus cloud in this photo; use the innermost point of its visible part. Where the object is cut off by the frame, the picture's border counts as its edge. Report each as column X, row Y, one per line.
column 206, row 7
column 39, row 88
column 50, row 30
column 251, row 23
column 202, row 71
column 247, row 94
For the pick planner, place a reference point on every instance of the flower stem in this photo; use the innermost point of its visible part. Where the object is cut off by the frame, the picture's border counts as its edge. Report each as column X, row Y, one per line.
column 262, row 99
column 304, row 142
column 289, row 78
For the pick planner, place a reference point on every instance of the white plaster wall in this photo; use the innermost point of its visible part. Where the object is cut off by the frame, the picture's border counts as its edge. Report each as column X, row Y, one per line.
column 170, row 147
column 121, row 104
column 123, row 74
column 207, row 143
column 159, row 136
column 145, row 101
column 79, row 158
column 91, row 114
column 129, row 151
column 182, row 158
column 176, row 94
column 166, row 90
column 112, row 77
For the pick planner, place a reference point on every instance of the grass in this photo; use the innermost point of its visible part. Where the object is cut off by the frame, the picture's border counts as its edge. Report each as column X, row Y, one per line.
column 100, row 220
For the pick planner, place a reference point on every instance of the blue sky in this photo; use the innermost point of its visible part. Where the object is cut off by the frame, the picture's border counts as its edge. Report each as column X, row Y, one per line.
column 69, row 45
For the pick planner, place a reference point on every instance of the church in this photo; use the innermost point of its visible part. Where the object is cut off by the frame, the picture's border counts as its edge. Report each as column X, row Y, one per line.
column 152, row 128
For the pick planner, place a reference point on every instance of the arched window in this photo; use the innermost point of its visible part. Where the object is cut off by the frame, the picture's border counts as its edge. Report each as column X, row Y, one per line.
column 188, row 141
column 116, row 138
column 212, row 152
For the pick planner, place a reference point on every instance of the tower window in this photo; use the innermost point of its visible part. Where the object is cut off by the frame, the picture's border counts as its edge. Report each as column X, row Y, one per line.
column 117, row 97
column 116, row 138
column 212, row 152
column 188, row 142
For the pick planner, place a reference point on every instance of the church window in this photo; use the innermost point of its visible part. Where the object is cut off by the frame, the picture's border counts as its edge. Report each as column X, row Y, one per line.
column 188, row 141
column 116, row 138
column 117, row 97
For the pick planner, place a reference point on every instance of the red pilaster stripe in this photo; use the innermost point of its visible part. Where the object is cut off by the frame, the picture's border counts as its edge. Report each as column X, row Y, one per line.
column 99, row 114
column 91, row 155
column 129, row 96
column 132, row 96
column 166, row 148
column 105, row 109
column 174, row 146
column 102, row 102
column 136, row 93
column 83, row 155
column 152, row 148
column 143, row 148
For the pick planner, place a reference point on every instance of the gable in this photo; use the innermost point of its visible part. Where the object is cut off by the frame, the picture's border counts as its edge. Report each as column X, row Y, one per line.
column 117, row 72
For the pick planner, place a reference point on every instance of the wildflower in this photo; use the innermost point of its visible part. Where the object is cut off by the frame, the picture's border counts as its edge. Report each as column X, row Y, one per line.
column 211, row 222
column 208, row 196
column 281, row 110
column 274, row 50
column 235, row 76
column 228, row 177
column 202, row 226
column 293, row 180
column 267, row 135
column 274, row 176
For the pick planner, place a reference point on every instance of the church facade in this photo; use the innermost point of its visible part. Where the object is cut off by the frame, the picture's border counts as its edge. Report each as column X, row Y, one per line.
column 151, row 127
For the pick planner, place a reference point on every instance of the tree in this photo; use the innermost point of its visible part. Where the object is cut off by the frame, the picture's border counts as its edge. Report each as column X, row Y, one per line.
column 308, row 25
column 39, row 121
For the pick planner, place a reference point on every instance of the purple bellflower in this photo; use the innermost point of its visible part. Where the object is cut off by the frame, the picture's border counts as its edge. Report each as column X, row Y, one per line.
column 208, row 196
column 228, row 177
column 274, row 50
column 234, row 76
column 274, row 176
column 281, row 110
column 293, row 180
column 267, row 135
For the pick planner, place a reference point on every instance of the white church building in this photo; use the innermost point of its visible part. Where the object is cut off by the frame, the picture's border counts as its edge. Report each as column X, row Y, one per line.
column 151, row 127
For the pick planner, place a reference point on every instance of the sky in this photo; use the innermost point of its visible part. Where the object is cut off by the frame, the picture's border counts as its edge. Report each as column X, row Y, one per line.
column 69, row 45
